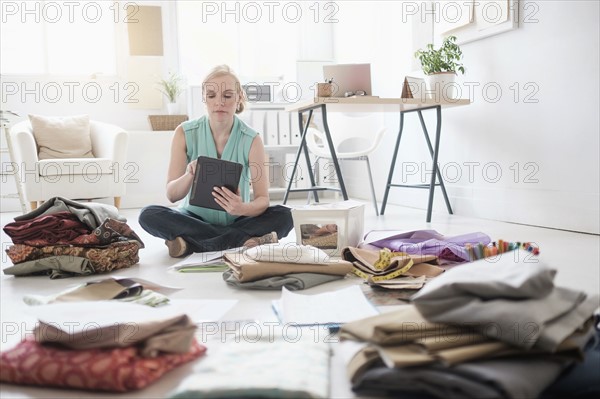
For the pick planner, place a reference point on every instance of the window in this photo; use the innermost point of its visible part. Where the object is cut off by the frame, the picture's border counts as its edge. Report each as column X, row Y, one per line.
column 258, row 42
column 59, row 37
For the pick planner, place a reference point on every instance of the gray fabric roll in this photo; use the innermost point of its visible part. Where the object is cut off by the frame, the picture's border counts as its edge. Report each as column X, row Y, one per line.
column 92, row 214
column 490, row 379
column 293, row 282
column 512, row 300
column 55, row 266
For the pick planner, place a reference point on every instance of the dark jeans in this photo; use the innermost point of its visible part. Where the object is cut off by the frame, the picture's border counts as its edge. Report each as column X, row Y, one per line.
column 169, row 223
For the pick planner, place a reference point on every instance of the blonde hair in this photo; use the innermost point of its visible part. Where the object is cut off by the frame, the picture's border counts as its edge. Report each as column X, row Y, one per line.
column 225, row 70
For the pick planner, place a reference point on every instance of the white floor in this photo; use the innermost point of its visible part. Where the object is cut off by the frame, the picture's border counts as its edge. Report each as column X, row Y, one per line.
column 575, row 256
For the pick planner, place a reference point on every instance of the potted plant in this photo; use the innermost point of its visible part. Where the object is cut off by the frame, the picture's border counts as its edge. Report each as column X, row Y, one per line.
column 171, row 87
column 441, row 66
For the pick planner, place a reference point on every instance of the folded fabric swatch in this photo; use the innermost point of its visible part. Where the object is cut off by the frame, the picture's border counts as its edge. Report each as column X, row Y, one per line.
column 245, row 269
column 60, row 266
column 118, row 369
column 287, row 253
column 102, row 290
column 581, row 380
column 489, row 379
column 60, row 227
column 261, row 368
column 152, row 330
column 383, row 264
column 458, row 348
column 293, row 282
column 92, row 214
column 66, row 260
column 511, row 300
column 430, row 242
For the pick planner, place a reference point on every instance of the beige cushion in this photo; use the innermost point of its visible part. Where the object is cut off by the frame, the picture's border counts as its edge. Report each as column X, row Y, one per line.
column 91, row 168
column 62, row 137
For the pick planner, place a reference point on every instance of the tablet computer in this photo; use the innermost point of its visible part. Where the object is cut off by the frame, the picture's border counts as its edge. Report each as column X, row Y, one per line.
column 210, row 173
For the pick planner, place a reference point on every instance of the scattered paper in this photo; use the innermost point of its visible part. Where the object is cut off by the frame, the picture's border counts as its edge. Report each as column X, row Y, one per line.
column 330, row 308
column 203, row 310
column 204, row 258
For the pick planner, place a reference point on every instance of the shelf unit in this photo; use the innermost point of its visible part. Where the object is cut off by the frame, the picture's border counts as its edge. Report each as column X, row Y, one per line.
column 281, row 137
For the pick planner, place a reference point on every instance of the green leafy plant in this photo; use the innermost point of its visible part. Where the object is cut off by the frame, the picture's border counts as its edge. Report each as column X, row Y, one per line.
column 445, row 59
column 171, row 87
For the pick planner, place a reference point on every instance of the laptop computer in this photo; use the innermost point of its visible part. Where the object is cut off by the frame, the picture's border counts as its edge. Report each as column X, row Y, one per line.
column 348, row 78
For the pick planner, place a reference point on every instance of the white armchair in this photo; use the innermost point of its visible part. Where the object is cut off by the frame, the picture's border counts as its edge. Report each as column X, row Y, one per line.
column 73, row 178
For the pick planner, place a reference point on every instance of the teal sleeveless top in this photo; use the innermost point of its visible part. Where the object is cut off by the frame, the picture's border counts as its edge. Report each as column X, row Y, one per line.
column 199, row 141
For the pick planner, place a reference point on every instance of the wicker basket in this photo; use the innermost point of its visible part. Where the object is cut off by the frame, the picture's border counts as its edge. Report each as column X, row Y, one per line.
column 166, row 122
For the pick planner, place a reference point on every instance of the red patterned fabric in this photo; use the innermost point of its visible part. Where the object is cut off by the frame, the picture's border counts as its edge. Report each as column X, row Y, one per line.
column 118, row 370
column 57, row 228
column 117, row 255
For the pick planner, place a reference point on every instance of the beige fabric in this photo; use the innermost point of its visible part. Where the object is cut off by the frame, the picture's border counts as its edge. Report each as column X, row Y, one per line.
column 62, row 137
column 250, row 270
column 172, row 334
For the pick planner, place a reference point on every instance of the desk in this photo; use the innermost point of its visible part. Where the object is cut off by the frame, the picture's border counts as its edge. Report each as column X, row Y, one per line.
column 372, row 104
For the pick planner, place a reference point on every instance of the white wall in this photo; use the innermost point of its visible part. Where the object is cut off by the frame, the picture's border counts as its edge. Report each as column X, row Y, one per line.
column 557, row 137
column 553, row 143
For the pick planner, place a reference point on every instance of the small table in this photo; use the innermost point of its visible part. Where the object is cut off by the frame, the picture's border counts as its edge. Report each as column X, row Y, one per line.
column 372, row 104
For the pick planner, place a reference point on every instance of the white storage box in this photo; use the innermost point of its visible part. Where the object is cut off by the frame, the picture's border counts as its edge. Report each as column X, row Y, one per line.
column 329, row 226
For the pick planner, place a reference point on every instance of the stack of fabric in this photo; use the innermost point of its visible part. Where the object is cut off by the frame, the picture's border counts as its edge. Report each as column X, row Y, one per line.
column 125, row 351
column 389, row 269
column 490, row 330
column 273, row 266
column 64, row 238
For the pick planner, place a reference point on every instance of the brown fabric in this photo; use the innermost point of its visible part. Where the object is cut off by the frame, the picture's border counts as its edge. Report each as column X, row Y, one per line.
column 111, row 230
column 171, row 335
column 117, row 255
column 57, row 228
column 401, row 326
column 365, row 260
column 404, row 339
column 250, row 270
column 368, row 257
column 98, row 291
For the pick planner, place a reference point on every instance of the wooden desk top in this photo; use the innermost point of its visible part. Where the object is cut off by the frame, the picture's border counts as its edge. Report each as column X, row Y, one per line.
column 374, row 104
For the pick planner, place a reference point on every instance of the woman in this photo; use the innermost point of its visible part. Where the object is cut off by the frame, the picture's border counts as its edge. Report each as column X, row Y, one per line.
column 219, row 134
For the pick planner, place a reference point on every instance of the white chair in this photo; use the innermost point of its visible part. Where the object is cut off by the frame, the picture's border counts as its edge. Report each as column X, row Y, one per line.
column 354, row 137
column 73, row 178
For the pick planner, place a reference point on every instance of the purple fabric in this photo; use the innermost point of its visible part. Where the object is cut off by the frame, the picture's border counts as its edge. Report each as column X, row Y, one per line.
column 430, row 242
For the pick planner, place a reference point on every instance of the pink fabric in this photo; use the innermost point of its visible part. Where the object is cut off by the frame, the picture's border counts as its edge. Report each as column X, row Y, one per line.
column 118, row 370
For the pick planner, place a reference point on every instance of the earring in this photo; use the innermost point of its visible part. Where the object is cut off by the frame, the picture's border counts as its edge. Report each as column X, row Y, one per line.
column 238, row 107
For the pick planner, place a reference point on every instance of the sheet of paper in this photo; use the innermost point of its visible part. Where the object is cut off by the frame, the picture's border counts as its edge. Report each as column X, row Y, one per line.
column 201, row 258
column 203, row 310
column 330, row 308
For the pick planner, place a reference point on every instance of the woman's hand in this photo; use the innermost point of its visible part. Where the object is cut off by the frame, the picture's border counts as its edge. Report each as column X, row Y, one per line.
column 190, row 169
column 230, row 201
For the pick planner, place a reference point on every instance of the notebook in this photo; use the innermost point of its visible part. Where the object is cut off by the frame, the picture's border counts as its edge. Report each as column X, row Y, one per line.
column 210, row 173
